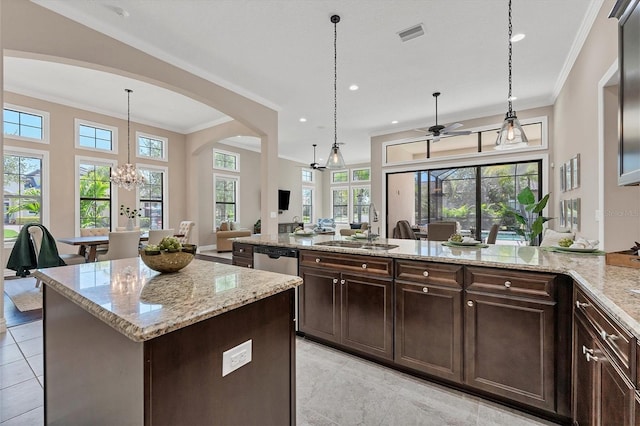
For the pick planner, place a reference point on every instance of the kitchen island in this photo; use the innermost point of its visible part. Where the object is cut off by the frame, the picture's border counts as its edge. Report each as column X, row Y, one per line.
column 126, row 345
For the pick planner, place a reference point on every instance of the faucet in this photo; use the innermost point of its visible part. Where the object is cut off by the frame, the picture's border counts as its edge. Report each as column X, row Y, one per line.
column 372, row 218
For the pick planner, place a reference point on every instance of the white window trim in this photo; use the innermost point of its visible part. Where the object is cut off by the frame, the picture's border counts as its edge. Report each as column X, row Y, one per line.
column 221, row 151
column 165, row 190
column 313, row 177
column 497, row 155
column 225, row 176
column 334, row 172
column 45, row 123
column 340, row 188
column 114, row 132
column 114, row 190
column 358, row 182
column 352, row 201
column 44, row 177
column 165, row 146
column 313, row 201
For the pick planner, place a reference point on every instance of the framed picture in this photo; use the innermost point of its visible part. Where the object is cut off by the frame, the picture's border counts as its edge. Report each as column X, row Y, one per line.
column 575, row 172
column 563, row 185
column 568, row 175
column 563, row 218
column 575, row 214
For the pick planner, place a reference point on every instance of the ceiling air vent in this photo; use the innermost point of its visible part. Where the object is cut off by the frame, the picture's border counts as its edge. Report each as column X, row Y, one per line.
column 411, row 33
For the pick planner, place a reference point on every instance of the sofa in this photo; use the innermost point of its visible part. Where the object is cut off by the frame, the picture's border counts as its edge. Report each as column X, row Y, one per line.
column 350, row 232
column 225, row 234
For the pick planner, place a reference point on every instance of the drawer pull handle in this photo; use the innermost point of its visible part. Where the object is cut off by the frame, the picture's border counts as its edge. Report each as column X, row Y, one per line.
column 425, row 273
column 606, row 336
column 507, row 284
column 470, row 303
column 342, row 282
column 317, row 260
column 425, row 289
column 581, row 305
column 591, row 357
column 335, row 281
column 586, row 350
column 364, row 266
column 249, row 266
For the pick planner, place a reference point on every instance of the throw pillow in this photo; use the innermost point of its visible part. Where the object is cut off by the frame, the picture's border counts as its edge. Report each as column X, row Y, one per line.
column 551, row 237
column 224, row 226
column 234, row 226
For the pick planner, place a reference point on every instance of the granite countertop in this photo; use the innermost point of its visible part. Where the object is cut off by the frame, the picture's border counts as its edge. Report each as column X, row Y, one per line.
column 143, row 304
column 609, row 285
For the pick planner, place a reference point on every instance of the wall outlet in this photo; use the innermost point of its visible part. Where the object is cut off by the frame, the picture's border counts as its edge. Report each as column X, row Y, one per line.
column 236, row 357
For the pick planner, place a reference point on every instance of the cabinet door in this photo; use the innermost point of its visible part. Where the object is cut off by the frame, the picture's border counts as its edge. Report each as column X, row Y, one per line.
column 510, row 347
column 615, row 392
column 583, row 376
column 367, row 314
column 429, row 329
column 319, row 304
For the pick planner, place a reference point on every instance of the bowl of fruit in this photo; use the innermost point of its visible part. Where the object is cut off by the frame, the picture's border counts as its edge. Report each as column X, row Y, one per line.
column 168, row 256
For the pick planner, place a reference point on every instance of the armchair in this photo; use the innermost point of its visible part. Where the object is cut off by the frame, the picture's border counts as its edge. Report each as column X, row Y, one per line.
column 226, row 233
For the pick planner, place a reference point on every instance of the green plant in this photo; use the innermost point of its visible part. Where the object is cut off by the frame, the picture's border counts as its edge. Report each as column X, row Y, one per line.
column 126, row 211
column 531, row 220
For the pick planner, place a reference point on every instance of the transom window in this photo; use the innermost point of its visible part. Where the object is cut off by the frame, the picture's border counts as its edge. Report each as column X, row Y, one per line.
column 361, row 175
column 151, row 199
column 26, row 123
column 226, row 160
column 307, row 176
column 341, row 176
column 149, row 146
column 22, row 192
column 225, row 199
column 95, row 194
column 96, row 136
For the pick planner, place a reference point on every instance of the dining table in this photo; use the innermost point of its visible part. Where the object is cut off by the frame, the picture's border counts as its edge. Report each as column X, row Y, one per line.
column 88, row 246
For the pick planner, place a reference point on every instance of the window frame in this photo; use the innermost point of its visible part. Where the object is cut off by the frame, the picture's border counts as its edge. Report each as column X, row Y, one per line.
column 311, row 174
column 223, row 152
column 236, row 178
column 352, row 203
column 114, row 192
column 114, row 135
column 45, row 123
column 336, row 172
column 163, row 140
column 355, row 169
column 313, row 202
column 165, row 190
column 341, row 188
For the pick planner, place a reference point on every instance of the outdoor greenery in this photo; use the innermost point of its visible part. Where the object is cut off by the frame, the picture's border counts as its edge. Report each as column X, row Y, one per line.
column 95, row 197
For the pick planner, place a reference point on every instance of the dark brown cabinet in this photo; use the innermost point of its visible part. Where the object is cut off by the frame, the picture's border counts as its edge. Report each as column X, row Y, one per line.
column 338, row 305
column 510, row 335
column 429, row 318
column 242, row 255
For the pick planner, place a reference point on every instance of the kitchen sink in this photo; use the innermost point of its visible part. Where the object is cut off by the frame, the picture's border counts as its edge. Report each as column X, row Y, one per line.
column 357, row 245
column 375, row 246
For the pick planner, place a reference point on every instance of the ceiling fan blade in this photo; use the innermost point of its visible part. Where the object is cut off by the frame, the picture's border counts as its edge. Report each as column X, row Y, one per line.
column 452, row 126
column 459, row 133
column 423, row 131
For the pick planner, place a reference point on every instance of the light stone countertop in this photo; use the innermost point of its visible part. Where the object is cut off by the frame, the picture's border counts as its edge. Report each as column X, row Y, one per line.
column 608, row 285
column 142, row 304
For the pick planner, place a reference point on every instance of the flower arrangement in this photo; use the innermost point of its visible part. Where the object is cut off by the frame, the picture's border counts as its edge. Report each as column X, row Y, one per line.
column 126, row 211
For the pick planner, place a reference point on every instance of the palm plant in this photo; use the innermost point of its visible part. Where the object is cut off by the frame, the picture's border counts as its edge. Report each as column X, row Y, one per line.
column 530, row 217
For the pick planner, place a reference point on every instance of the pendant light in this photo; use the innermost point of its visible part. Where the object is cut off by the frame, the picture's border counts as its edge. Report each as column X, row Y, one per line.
column 511, row 134
column 126, row 176
column 335, row 161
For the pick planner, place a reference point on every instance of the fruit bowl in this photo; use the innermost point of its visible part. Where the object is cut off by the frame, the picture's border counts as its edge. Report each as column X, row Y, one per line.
column 165, row 261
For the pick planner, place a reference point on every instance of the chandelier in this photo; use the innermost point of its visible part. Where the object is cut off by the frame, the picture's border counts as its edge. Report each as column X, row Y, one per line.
column 126, row 176
column 335, row 161
column 511, row 134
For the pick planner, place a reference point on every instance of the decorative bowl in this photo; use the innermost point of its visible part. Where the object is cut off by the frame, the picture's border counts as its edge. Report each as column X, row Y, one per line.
column 164, row 261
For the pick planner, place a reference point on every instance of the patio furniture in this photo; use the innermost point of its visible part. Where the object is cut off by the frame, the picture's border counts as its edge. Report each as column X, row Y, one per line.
column 493, row 234
column 441, row 231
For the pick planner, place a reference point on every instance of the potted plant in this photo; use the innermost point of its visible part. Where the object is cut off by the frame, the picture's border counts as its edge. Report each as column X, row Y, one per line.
column 257, row 227
column 131, row 215
column 530, row 218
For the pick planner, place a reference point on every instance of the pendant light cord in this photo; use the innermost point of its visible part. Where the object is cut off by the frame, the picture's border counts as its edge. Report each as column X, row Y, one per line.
column 510, row 53
column 128, row 125
column 335, row 79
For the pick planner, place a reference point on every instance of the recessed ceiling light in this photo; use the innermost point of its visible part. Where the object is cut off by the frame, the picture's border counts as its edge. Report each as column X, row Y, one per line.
column 303, row 120
column 353, row 87
column 517, row 37
column 394, row 122
column 121, row 12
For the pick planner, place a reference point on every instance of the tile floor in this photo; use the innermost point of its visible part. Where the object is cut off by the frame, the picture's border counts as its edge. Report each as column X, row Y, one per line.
column 332, row 388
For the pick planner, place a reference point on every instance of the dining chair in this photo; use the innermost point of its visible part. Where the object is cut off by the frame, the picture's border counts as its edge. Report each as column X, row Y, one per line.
column 156, row 235
column 36, row 238
column 90, row 232
column 493, row 234
column 403, row 230
column 185, row 231
column 124, row 228
column 441, row 231
column 122, row 245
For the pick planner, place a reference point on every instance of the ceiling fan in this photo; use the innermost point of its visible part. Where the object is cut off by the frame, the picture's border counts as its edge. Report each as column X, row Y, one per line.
column 314, row 165
column 438, row 130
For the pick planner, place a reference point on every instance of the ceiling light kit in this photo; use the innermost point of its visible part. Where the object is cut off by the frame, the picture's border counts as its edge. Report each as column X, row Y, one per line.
column 126, row 176
column 438, row 130
column 335, row 161
column 511, row 134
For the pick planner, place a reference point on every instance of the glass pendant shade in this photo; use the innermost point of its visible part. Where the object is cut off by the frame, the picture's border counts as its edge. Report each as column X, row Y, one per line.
column 126, row 176
column 511, row 134
column 335, row 161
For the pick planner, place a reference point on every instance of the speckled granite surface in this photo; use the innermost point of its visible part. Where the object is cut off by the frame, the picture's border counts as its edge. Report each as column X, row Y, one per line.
column 609, row 285
column 143, row 304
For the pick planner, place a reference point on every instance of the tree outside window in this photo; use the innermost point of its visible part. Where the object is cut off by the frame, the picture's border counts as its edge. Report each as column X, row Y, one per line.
column 340, row 205
column 307, row 205
column 22, row 193
column 95, row 196
column 151, row 200
column 361, row 199
column 225, row 199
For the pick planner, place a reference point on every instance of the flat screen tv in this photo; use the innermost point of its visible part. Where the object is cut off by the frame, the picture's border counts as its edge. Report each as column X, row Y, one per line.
column 283, row 199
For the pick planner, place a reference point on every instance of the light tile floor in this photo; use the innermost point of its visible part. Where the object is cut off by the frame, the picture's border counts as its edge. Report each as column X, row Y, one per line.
column 332, row 388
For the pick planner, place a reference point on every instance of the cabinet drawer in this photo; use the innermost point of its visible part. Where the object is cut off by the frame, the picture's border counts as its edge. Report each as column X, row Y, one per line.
column 377, row 266
column 512, row 283
column 430, row 273
column 242, row 250
column 614, row 337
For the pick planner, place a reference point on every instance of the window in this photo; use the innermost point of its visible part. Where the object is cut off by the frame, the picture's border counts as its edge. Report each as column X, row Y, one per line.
column 225, row 199
column 151, row 198
column 340, row 176
column 97, row 137
column 361, row 175
column 360, row 200
column 26, row 124
column 94, row 188
column 154, row 147
column 22, row 192
column 340, row 204
column 307, row 176
column 226, row 160
column 307, row 205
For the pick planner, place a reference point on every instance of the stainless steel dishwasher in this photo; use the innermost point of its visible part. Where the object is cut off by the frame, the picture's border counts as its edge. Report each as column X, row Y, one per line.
column 282, row 260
